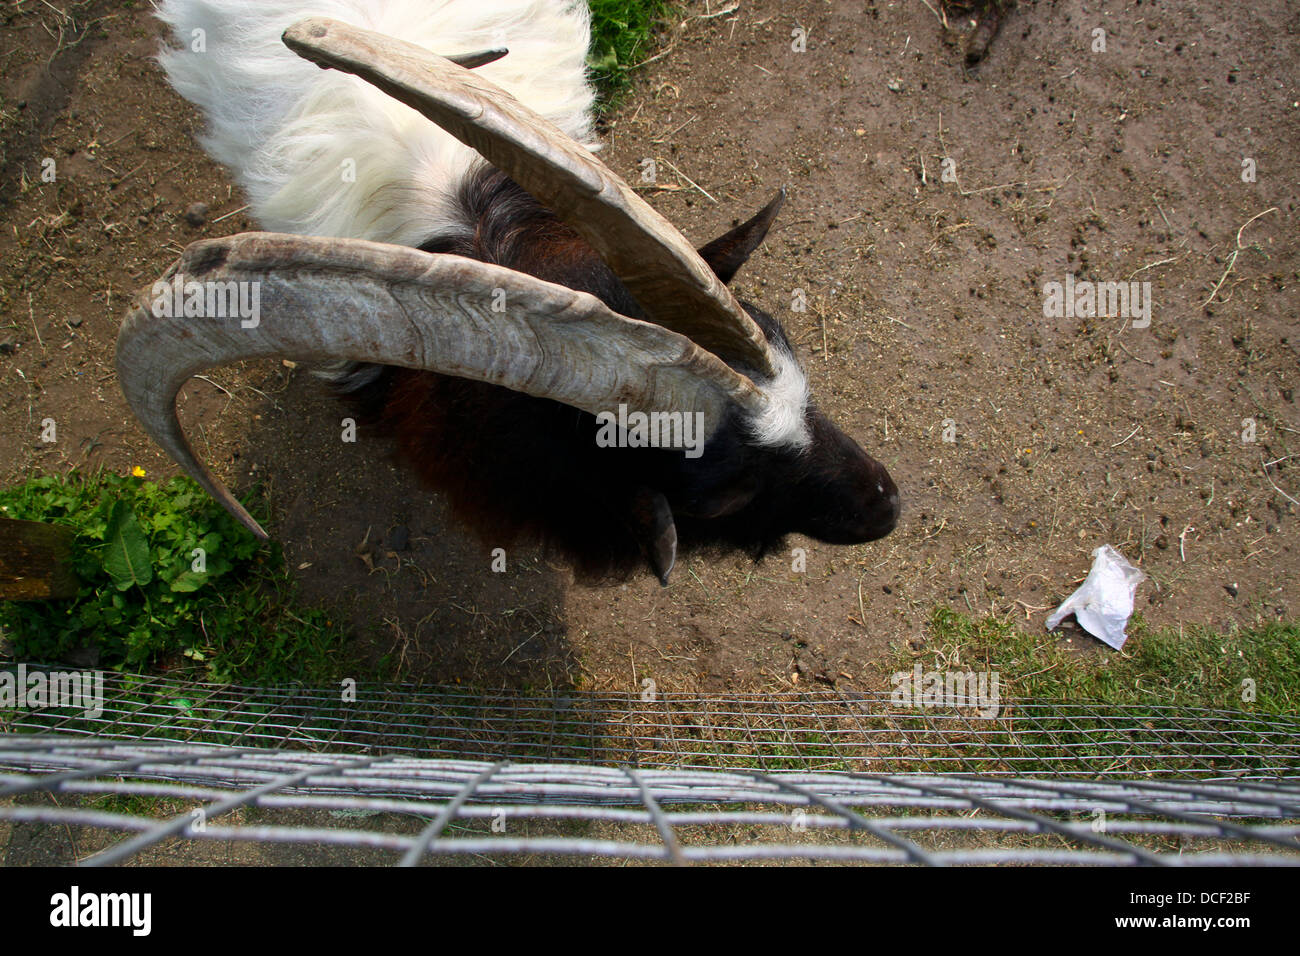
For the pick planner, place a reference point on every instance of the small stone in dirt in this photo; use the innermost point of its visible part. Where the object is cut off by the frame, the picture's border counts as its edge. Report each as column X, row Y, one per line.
column 197, row 214
column 1162, row 542
column 895, row 86
column 7, row 346
column 1231, row 589
column 75, row 321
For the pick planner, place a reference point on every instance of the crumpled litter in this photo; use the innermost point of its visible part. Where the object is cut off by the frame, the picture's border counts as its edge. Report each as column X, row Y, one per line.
column 1104, row 602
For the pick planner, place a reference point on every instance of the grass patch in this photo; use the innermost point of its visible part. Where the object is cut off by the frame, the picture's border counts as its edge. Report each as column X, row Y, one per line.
column 169, row 582
column 622, row 37
column 1184, row 701
column 1189, row 667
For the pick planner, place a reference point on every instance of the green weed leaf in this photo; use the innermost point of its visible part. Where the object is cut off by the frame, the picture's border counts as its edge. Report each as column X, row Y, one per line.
column 126, row 556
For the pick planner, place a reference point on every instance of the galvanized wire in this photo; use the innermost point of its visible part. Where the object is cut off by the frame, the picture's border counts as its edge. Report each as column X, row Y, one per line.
column 422, row 774
column 898, row 818
column 812, row 730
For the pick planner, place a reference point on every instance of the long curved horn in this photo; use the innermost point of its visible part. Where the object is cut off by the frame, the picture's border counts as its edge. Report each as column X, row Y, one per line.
column 329, row 299
column 659, row 267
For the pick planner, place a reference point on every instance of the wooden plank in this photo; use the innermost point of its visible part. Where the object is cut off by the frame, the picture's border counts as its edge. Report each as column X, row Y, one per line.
column 36, row 561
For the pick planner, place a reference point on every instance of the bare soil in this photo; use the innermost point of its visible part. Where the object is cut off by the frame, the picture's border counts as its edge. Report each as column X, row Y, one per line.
column 924, row 318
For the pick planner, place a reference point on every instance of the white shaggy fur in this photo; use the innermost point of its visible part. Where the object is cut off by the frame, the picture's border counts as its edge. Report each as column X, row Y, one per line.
column 322, row 153
column 783, row 422
column 293, row 133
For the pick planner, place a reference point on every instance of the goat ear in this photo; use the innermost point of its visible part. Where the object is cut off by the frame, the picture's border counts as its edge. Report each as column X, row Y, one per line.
column 728, row 501
column 726, row 254
column 651, row 521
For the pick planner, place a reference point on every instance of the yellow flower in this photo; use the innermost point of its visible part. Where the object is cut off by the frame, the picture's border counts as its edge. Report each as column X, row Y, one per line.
column 137, row 472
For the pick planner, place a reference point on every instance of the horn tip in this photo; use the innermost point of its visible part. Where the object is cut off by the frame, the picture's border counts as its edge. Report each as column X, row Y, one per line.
column 314, row 28
column 471, row 61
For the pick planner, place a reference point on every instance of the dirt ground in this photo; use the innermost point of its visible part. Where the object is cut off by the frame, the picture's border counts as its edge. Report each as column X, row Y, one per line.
column 924, row 322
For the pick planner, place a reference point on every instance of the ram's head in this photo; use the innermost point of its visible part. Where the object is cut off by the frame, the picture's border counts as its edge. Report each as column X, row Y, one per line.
column 668, row 342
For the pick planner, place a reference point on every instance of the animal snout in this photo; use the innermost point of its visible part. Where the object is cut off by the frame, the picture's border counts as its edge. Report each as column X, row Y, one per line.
column 880, row 514
column 888, row 511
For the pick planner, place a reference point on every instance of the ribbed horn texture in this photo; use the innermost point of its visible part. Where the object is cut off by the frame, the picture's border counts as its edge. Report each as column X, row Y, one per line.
column 348, row 299
column 661, row 270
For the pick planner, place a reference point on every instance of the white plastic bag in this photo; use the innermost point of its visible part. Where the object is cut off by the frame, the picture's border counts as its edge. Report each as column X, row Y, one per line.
column 1104, row 602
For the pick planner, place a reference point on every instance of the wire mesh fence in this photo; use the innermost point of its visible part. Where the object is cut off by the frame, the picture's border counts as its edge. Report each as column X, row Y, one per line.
column 411, row 774
column 827, row 730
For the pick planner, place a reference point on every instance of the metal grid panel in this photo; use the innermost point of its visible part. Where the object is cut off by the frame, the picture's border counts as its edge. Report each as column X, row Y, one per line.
column 411, row 774
column 445, row 808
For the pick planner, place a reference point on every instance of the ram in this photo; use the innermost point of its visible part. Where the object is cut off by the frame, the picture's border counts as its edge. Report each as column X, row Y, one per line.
column 450, row 251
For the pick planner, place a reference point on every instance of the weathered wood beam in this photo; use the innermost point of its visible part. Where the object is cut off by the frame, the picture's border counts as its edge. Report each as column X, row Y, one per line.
column 36, row 561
